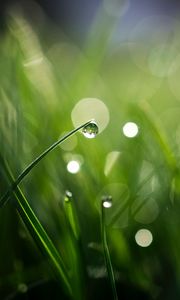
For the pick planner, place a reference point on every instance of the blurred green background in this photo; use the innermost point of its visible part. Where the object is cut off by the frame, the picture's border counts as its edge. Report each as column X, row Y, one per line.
column 51, row 83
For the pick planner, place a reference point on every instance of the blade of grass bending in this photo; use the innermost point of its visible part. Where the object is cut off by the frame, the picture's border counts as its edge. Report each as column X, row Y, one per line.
column 15, row 183
column 39, row 235
column 107, row 257
column 42, row 239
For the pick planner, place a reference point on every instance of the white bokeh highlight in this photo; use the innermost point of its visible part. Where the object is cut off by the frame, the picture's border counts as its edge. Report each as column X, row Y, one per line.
column 90, row 109
column 130, row 129
column 143, row 237
column 73, row 166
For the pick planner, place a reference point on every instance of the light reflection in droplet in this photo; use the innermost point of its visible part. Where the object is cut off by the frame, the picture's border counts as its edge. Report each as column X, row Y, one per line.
column 73, row 166
column 144, row 237
column 107, row 201
column 90, row 130
column 130, row 129
column 68, row 196
column 107, row 204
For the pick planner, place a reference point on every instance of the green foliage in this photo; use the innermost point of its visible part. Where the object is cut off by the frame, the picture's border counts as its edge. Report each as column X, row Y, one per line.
column 42, row 80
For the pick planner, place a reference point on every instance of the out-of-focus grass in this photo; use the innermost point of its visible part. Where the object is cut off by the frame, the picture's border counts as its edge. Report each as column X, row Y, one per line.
column 40, row 84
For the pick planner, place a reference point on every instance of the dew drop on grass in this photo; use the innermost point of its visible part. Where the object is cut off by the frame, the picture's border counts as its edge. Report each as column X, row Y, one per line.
column 90, row 130
column 107, row 204
column 107, row 201
column 68, row 196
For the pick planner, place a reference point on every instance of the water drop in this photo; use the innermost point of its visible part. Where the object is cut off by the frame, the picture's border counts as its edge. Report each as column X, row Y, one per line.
column 68, row 196
column 107, row 201
column 90, row 130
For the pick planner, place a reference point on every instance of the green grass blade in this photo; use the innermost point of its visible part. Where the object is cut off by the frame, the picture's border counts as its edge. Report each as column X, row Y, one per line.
column 79, row 272
column 107, row 257
column 71, row 215
column 26, row 171
column 39, row 235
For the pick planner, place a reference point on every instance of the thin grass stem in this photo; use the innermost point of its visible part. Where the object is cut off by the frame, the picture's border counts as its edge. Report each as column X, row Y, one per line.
column 107, row 257
column 75, row 246
column 26, row 171
column 71, row 216
column 39, row 234
column 41, row 238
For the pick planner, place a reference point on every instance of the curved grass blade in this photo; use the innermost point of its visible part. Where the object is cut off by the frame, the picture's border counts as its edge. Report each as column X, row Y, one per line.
column 39, row 235
column 15, row 183
column 41, row 238
column 107, row 257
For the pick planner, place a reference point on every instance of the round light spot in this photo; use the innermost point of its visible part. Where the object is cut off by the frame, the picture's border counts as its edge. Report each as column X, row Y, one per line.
column 130, row 129
column 107, row 204
column 143, row 237
column 88, row 109
column 73, row 166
